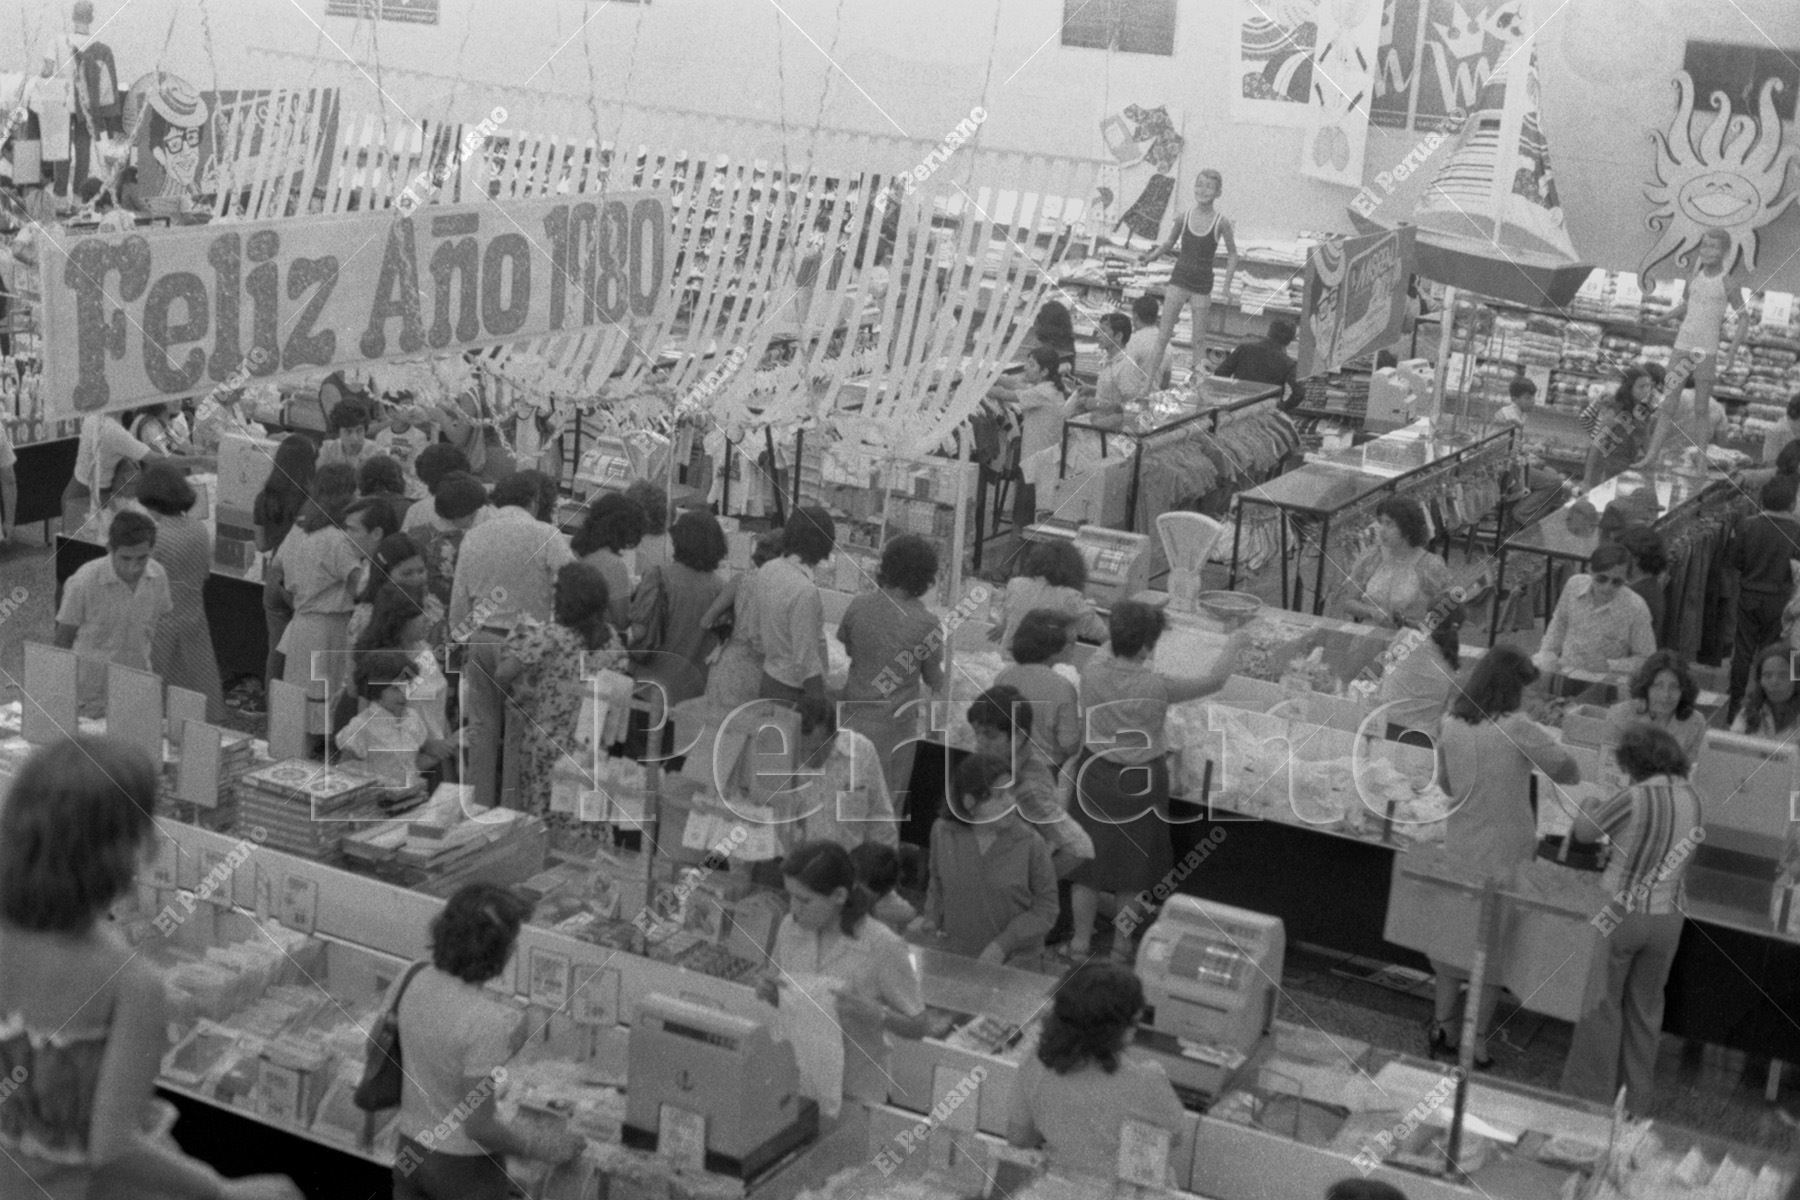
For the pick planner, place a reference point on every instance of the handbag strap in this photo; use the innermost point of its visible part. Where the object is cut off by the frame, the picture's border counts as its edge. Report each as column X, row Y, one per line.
column 394, row 1009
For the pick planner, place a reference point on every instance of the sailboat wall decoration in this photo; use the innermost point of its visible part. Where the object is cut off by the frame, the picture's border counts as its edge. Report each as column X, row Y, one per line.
column 1490, row 220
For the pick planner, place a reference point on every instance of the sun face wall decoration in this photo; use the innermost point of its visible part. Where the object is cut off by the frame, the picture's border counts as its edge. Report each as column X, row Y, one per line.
column 1730, row 176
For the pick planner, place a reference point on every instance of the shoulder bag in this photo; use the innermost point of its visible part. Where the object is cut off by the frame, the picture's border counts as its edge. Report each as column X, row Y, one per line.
column 380, row 1086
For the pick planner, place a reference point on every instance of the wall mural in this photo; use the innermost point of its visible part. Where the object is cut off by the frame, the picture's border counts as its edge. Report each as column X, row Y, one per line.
column 1146, row 149
column 1435, row 57
column 1343, row 78
column 1729, row 173
column 1276, row 43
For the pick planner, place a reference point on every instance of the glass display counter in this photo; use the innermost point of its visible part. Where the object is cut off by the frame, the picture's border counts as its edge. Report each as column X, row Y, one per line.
column 1329, row 488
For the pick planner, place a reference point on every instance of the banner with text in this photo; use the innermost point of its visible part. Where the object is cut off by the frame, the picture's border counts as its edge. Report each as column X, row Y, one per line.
column 131, row 319
column 1355, row 298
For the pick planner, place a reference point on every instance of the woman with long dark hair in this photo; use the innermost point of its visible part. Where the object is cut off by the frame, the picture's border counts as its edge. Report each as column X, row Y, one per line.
column 1487, row 750
column 1771, row 700
column 1073, row 1095
column 1618, row 426
column 1662, row 693
column 276, row 508
column 829, row 931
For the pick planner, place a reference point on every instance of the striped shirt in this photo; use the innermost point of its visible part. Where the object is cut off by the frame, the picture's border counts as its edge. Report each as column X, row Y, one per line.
column 1654, row 827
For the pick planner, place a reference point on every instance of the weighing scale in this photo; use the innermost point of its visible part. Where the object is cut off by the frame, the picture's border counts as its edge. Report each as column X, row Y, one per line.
column 1210, row 975
column 1118, row 563
column 726, row 1069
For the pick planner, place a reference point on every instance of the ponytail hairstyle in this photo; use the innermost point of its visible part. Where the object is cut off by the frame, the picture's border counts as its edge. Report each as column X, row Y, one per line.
column 824, row 867
column 1052, row 364
column 1444, row 623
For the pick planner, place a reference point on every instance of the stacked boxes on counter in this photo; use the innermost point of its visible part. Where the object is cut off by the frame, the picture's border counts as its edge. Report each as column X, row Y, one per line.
column 307, row 807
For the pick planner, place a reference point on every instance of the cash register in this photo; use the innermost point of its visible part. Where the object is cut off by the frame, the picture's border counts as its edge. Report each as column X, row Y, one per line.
column 726, row 1069
column 1118, row 561
column 1210, row 975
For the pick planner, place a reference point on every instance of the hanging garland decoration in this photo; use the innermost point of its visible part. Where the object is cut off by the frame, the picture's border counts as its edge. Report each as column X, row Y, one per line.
column 593, row 105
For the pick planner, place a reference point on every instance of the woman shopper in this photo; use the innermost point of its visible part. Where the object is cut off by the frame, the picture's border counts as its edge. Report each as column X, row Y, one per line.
column 457, row 1038
column 614, row 524
column 895, row 645
column 669, row 641
column 1654, row 828
column 736, row 676
column 277, row 506
column 1074, row 1095
column 1053, row 576
column 543, row 668
column 1122, row 781
column 399, row 561
column 790, row 610
column 84, row 1019
column 1397, row 580
column 182, row 649
column 1487, row 750
column 317, row 562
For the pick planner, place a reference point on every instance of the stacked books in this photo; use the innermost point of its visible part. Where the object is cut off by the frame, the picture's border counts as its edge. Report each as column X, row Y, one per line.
column 306, row 807
column 237, row 757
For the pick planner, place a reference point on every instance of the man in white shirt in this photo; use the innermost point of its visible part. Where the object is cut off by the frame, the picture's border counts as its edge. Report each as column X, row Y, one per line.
column 505, row 571
column 111, row 606
column 1120, row 380
column 1146, row 338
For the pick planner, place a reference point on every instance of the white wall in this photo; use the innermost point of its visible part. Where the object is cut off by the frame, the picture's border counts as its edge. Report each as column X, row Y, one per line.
column 915, row 68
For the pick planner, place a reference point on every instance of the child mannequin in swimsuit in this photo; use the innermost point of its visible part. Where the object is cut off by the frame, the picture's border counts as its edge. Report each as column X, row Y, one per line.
column 1197, row 235
column 1709, row 297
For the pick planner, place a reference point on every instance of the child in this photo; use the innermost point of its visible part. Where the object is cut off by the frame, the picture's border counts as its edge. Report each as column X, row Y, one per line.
column 1041, row 642
column 878, row 869
column 1002, row 720
column 390, row 734
column 348, row 426
column 1521, row 398
column 993, row 891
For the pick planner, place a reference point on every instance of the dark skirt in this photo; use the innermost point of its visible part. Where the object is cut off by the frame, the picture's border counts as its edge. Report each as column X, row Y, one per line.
column 1125, row 809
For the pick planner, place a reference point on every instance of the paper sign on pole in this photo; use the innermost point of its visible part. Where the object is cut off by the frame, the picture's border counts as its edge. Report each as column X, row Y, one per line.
column 49, row 713
column 134, row 318
column 134, row 714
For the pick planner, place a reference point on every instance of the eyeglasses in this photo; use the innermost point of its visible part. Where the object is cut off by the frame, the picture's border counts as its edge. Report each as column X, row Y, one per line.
column 1609, row 580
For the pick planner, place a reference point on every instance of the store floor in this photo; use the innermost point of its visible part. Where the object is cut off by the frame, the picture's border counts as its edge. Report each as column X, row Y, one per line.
column 1703, row 1088
column 1699, row 1087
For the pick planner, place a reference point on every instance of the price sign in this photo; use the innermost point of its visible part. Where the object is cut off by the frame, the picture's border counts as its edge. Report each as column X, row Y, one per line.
column 300, row 903
column 1144, row 1154
column 165, row 869
column 682, row 1141
column 549, row 979
column 596, row 1000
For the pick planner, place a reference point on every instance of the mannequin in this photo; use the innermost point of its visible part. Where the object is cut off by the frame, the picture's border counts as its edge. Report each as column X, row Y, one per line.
column 97, row 108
